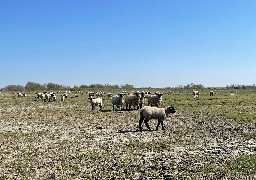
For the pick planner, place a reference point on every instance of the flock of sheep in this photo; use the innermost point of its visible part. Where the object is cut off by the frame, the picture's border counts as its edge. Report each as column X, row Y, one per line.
column 123, row 101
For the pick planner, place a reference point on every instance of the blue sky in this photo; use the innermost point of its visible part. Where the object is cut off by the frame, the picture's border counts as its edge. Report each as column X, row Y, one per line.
column 146, row 43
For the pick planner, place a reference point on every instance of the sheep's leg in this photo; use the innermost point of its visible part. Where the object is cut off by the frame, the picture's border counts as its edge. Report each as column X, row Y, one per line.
column 146, row 123
column 113, row 107
column 160, row 121
column 140, row 123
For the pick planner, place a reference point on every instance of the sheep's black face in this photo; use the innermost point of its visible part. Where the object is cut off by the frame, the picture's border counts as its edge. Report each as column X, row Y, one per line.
column 171, row 109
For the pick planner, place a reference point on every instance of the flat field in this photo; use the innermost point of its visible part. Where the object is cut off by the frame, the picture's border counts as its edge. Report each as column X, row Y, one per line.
column 210, row 138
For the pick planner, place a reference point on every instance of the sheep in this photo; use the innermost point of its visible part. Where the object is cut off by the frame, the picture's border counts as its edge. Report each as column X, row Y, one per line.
column 96, row 102
column 132, row 100
column 148, row 112
column 21, row 94
column 196, row 94
column 62, row 98
column 52, row 97
column 211, row 93
column 141, row 99
column 154, row 100
column 117, row 101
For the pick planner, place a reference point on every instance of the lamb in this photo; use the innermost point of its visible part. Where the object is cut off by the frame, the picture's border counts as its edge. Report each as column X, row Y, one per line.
column 96, row 102
column 154, row 100
column 148, row 112
column 118, row 101
column 132, row 100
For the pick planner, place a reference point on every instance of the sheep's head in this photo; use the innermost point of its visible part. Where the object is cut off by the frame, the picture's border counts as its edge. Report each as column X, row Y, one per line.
column 170, row 109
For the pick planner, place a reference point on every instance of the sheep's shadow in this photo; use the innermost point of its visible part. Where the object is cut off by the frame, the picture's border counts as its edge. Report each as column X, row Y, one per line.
column 135, row 131
column 106, row 110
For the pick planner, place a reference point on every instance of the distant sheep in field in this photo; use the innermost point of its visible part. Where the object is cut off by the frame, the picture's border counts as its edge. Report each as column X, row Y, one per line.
column 148, row 112
column 62, row 98
column 117, row 101
column 21, row 94
column 99, row 94
column 196, row 94
column 155, row 100
column 211, row 93
column 132, row 100
column 96, row 102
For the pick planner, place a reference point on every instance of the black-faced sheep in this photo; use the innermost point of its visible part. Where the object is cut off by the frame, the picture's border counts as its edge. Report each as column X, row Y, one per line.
column 96, row 102
column 117, row 101
column 148, row 112
column 132, row 100
column 155, row 100
column 211, row 93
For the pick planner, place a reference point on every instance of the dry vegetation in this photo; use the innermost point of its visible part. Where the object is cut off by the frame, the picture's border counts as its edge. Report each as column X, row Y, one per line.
column 210, row 138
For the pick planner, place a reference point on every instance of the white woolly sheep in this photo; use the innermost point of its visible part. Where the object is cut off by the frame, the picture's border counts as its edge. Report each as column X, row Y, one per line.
column 96, row 102
column 117, row 101
column 148, row 112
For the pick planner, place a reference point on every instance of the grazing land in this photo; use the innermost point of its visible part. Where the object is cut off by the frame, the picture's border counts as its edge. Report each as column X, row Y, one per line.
column 212, row 137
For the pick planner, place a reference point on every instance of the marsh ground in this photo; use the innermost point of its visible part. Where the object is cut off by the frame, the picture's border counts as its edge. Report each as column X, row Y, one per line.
column 210, row 138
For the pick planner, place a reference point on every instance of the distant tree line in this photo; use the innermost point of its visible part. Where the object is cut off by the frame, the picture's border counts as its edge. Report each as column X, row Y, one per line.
column 237, row 86
column 32, row 86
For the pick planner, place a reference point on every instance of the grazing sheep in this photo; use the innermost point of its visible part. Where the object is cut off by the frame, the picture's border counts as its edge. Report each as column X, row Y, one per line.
column 52, row 97
column 62, row 98
column 21, row 94
column 196, row 94
column 148, row 112
column 132, row 100
column 118, row 101
column 40, row 95
column 211, row 93
column 154, row 100
column 96, row 102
